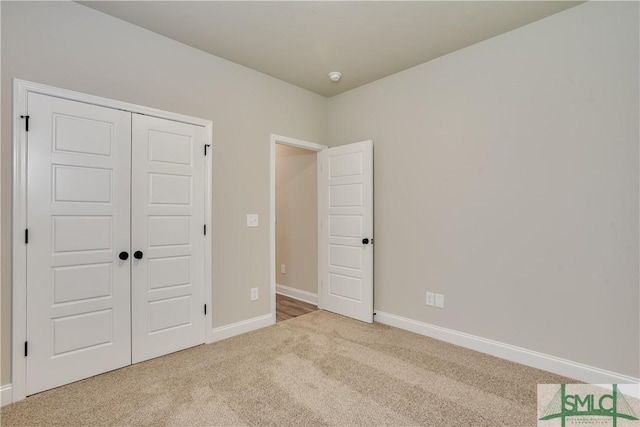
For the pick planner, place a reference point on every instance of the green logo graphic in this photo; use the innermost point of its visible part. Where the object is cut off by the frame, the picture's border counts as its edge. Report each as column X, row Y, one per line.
column 612, row 405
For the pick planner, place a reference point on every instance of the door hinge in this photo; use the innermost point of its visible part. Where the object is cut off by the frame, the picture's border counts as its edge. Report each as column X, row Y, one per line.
column 205, row 229
column 26, row 236
column 26, row 348
column 26, row 123
column 205, row 148
column 205, row 309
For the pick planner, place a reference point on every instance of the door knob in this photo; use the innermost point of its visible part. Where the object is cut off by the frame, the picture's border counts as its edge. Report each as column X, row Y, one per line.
column 137, row 254
column 365, row 241
column 124, row 255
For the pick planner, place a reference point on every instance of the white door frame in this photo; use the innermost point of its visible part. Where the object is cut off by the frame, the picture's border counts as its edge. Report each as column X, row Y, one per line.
column 21, row 90
column 292, row 142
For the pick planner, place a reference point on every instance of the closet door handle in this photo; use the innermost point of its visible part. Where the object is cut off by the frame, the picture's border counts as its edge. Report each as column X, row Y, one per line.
column 124, row 255
column 137, row 254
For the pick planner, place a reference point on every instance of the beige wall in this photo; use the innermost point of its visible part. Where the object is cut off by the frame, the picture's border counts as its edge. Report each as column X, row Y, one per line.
column 506, row 178
column 296, row 218
column 67, row 45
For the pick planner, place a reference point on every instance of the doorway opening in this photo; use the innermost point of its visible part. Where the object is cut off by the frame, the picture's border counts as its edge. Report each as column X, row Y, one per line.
column 294, row 227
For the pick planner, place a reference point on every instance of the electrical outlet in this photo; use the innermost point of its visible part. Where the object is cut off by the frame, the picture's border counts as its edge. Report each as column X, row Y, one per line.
column 254, row 294
column 439, row 300
column 430, row 298
column 282, row 269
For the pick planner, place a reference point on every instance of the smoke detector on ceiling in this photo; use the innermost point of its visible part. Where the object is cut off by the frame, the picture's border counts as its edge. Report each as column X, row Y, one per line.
column 335, row 76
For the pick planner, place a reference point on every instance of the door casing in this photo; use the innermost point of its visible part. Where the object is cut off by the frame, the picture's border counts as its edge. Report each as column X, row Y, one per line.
column 21, row 89
column 278, row 139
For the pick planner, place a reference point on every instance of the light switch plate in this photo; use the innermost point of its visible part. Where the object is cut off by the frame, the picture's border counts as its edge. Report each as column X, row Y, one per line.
column 439, row 300
column 252, row 220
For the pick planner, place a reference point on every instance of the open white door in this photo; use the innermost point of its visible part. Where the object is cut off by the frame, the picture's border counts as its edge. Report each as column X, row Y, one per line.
column 345, row 241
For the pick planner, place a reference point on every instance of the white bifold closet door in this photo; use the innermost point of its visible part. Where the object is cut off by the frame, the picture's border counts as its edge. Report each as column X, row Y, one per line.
column 102, row 185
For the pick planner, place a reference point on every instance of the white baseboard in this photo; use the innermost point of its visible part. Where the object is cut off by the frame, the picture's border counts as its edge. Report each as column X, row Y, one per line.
column 297, row 294
column 228, row 331
column 556, row 365
column 6, row 394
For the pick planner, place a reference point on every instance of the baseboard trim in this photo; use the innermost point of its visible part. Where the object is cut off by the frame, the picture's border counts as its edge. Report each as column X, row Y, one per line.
column 228, row 331
column 556, row 365
column 6, row 394
column 297, row 294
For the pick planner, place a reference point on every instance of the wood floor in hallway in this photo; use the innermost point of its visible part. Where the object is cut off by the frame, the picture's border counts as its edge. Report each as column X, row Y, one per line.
column 288, row 308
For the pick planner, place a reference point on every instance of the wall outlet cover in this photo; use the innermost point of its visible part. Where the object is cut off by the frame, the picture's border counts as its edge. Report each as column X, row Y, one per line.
column 254, row 294
column 430, row 299
column 282, row 269
column 439, row 300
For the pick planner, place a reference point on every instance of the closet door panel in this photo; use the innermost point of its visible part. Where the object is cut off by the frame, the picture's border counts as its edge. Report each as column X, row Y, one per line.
column 167, row 230
column 78, row 213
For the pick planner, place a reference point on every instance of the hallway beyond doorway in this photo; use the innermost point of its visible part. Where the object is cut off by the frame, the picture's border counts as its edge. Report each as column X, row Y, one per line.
column 288, row 308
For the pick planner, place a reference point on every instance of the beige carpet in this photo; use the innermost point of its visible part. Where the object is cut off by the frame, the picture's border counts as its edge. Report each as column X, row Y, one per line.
column 317, row 369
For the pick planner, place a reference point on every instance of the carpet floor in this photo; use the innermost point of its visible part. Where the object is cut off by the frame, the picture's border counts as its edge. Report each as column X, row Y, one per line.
column 316, row 369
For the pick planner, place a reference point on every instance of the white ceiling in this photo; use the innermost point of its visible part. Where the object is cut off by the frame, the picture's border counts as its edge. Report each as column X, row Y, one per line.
column 301, row 42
